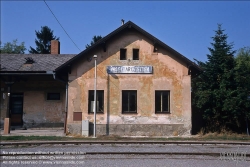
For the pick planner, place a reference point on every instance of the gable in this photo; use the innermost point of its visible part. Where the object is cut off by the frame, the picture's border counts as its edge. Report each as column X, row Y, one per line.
column 162, row 63
column 130, row 27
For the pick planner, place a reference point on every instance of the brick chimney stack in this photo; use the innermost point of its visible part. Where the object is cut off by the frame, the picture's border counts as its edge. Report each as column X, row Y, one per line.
column 55, row 47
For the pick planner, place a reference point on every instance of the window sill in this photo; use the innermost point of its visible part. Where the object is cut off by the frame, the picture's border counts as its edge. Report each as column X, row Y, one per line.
column 162, row 112
column 129, row 113
column 96, row 113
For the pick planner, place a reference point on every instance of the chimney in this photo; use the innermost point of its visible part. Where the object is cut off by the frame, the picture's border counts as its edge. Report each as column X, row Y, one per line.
column 55, row 47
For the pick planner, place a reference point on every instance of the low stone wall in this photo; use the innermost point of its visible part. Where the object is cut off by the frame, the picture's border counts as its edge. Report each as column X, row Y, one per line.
column 74, row 129
column 132, row 129
column 43, row 125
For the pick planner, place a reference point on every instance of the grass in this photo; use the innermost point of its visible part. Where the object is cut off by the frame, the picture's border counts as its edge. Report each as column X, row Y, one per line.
column 225, row 136
column 206, row 137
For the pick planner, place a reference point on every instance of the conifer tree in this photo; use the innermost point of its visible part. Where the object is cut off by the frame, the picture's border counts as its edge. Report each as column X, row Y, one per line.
column 215, row 90
column 242, row 78
column 43, row 41
column 94, row 40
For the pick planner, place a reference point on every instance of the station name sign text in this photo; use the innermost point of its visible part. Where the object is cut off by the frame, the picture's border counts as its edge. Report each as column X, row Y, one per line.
column 129, row 69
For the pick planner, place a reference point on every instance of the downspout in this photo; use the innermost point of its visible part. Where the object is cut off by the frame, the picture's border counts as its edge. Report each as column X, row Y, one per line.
column 66, row 99
column 66, row 107
column 8, row 109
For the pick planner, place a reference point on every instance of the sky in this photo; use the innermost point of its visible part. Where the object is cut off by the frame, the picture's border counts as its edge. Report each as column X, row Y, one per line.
column 186, row 26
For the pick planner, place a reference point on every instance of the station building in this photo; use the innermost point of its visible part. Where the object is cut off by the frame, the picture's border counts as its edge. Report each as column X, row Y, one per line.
column 143, row 87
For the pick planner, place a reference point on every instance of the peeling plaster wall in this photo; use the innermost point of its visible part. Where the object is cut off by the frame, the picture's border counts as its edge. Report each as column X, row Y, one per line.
column 169, row 73
column 37, row 110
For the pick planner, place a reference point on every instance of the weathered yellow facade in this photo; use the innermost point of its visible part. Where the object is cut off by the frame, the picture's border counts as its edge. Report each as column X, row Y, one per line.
column 169, row 73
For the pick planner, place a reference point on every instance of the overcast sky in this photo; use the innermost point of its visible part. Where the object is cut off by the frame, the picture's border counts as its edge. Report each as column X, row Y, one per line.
column 185, row 26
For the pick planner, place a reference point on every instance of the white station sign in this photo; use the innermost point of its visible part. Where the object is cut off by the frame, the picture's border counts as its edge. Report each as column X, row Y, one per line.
column 129, row 69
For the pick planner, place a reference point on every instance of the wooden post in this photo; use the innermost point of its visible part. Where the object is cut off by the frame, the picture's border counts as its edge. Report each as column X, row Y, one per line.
column 6, row 126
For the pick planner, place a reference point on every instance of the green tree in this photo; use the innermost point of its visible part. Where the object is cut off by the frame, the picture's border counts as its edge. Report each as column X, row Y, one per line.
column 43, row 41
column 12, row 47
column 242, row 78
column 94, row 40
column 215, row 89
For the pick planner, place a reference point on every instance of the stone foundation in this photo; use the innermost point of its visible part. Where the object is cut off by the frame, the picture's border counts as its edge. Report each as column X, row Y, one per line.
column 132, row 129
column 43, row 125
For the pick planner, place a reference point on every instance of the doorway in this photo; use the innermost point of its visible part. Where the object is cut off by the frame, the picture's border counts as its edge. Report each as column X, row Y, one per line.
column 16, row 109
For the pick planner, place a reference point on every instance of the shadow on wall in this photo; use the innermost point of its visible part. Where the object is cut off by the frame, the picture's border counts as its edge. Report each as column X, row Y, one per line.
column 91, row 128
column 197, row 120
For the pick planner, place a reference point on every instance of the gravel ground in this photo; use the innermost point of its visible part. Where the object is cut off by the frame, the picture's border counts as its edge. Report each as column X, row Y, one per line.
column 131, row 148
column 73, row 157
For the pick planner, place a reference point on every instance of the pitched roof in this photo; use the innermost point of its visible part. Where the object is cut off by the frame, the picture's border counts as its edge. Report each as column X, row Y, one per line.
column 130, row 25
column 42, row 62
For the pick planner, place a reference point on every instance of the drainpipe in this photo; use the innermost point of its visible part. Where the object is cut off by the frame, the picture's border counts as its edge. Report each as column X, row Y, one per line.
column 66, row 99
column 8, row 110
column 66, row 107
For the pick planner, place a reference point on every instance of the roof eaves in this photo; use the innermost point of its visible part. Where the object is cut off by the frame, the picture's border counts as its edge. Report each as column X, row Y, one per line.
column 156, row 40
column 130, row 23
column 103, row 40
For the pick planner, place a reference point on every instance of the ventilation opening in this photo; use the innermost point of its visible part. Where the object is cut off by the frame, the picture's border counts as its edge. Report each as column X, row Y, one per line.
column 29, row 60
column 123, row 54
column 135, row 54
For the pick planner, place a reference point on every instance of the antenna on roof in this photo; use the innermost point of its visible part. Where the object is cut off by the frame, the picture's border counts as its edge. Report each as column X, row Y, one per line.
column 122, row 21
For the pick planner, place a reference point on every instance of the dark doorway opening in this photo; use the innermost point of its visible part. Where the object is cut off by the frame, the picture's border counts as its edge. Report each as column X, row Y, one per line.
column 16, row 109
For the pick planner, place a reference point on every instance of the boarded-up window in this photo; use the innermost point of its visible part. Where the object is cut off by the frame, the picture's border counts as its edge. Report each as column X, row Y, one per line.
column 77, row 116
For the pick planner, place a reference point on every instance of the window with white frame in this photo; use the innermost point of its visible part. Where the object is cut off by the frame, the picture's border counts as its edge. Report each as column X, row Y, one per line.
column 129, row 101
column 162, row 101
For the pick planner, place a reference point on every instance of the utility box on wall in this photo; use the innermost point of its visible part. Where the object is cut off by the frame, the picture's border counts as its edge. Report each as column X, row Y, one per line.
column 85, row 128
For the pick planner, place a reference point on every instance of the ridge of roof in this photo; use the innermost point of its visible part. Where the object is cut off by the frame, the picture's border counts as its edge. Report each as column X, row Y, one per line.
column 119, row 29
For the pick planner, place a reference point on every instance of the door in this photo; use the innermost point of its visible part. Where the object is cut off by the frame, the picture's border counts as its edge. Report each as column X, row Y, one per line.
column 16, row 109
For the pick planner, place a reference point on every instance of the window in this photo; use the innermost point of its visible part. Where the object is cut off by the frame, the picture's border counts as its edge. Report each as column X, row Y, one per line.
column 99, row 101
column 53, row 96
column 162, row 101
column 123, row 55
column 135, row 54
column 129, row 101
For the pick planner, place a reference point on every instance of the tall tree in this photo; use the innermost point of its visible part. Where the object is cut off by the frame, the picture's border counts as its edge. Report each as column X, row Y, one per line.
column 242, row 78
column 12, row 47
column 215, row 89
column 43, row 41
column 94, row 40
